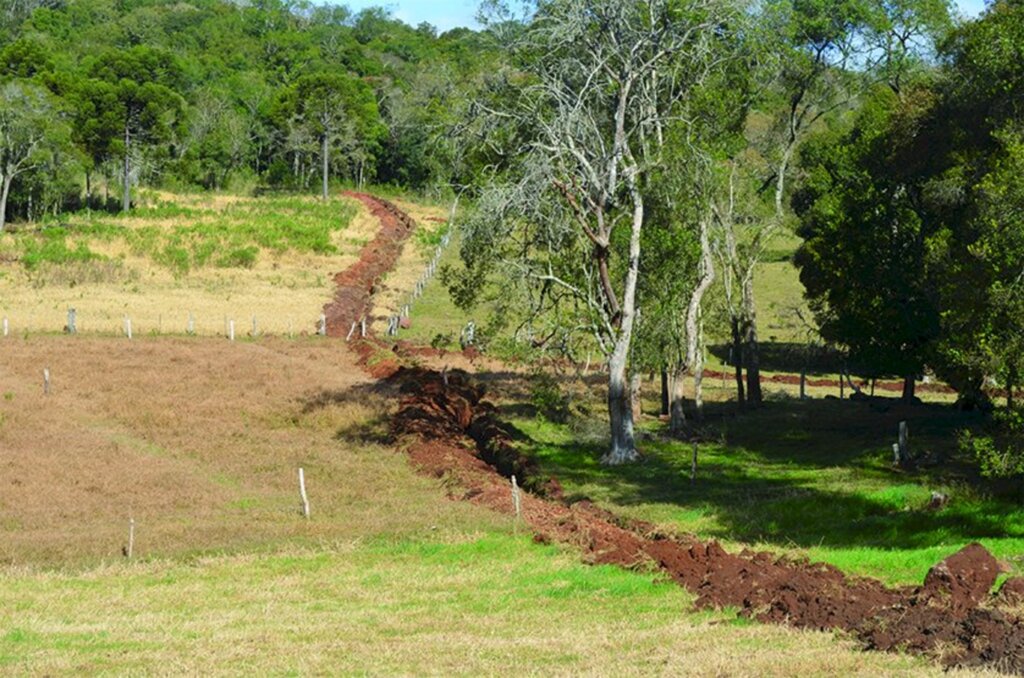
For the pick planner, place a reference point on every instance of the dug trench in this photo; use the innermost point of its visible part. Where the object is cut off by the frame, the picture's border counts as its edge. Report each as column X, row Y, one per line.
column 450, row 431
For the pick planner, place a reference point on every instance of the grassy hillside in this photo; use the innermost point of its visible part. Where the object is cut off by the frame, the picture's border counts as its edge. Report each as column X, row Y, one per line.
column 218, row 257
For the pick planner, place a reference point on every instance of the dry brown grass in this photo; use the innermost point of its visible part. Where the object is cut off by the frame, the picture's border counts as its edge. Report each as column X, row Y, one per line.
column 197, row 439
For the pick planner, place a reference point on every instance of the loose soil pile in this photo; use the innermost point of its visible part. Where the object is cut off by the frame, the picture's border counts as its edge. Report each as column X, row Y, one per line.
column 452, row 432
column 357, row 283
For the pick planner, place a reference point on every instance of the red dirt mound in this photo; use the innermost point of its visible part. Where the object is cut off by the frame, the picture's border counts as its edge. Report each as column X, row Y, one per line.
column 944, row 618
column 357, row 283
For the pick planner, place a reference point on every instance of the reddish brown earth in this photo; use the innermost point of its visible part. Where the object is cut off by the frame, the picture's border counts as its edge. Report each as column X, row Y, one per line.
column 356, row 284
column 450, row 431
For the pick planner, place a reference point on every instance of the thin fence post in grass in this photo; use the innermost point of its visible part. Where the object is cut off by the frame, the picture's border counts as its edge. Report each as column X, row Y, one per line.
column 516, row 502
column 302, row 493
column 190, row 326
column 46, row 381
column 291, row 334
column 322, row 330
column 803, row 384
column 348, row 337
column 842, row 387
column 904, row 442
column 693, row 464
column 231, row 330
column 128, row 327
column 7, row 327
column 72, row 317
column 131, row 539
column 255, row 328
column 362, row 326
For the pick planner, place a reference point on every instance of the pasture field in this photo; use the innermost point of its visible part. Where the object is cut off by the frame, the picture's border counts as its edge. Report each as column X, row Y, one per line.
column 217, row 257
column 198, row 441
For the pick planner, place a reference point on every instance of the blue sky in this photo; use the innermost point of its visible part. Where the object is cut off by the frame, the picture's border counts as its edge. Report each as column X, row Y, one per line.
column 445, row 14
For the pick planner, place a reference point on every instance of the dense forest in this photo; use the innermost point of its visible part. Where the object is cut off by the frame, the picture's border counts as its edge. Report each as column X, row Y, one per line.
column 624, row 162
column 215, row 94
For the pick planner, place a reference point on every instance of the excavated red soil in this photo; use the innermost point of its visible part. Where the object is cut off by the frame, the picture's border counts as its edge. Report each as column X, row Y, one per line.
column 451, row 431
column 356, row 284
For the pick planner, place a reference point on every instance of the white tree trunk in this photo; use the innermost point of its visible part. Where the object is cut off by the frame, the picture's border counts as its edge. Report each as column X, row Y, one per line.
column 4, row 192
column 325, row 163
column 694, row 362
column 620, row 410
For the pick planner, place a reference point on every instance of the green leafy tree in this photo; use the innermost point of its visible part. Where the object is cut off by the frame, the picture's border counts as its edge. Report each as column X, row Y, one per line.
column 868, row 241
column 132, row 104
column 32, row 134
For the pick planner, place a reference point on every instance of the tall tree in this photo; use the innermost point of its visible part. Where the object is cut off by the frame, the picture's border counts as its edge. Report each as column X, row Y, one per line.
column 599, row 85
column 31, row 132
column 134, row 92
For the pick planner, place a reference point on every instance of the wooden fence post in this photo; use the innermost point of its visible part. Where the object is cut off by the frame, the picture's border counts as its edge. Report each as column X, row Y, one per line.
column 46, row 381
column 302, row 493
column 693, row 464
column 72, row 316
column 231, row 330
column 131, row 539
column 516, row 502
column 904, row 442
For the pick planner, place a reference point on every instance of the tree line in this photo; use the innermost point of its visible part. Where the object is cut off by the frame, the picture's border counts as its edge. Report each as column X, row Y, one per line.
column 214, row 94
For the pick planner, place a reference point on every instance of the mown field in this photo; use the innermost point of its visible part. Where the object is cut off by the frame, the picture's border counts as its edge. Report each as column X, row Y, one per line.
column 198, row 440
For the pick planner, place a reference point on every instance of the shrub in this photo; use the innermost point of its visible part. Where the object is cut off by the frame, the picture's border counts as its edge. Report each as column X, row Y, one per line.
column 241, row 257
column 547, row 397
column 998, row 447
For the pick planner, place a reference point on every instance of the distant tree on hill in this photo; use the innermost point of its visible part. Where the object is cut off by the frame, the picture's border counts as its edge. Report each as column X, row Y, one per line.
column 132, row 104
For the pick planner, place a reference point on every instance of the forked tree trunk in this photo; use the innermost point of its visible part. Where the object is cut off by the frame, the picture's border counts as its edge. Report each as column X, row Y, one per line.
column 909, row 385
column 694, row 336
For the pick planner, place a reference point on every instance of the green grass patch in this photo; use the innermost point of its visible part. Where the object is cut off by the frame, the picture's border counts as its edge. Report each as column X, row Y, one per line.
column 813, row 478
column 183, row 238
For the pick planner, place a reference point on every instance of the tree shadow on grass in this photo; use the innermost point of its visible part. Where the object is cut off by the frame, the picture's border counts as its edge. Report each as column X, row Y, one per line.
column 813, row 473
